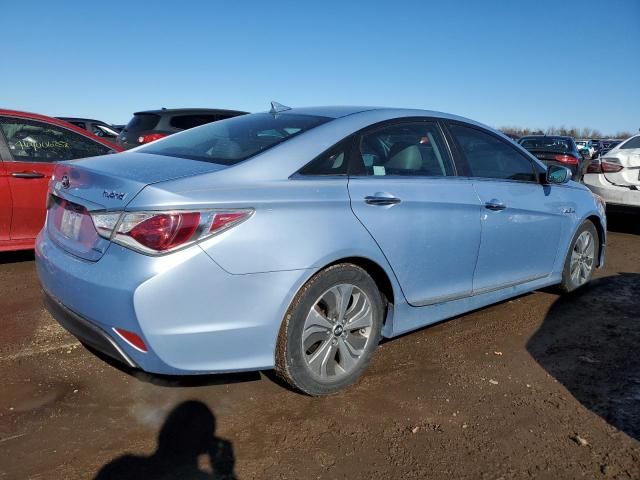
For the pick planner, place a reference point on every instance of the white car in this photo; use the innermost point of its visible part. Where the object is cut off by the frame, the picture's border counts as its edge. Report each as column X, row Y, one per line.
column 586, row 145
column 616, row 175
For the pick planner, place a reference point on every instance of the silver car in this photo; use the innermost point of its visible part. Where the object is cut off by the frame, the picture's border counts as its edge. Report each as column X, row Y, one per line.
column 296, row 239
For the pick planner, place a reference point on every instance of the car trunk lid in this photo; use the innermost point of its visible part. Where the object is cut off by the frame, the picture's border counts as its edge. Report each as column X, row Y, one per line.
column 107, row 183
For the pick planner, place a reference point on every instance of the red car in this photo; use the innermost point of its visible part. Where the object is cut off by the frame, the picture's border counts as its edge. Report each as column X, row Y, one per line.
column 30, row 145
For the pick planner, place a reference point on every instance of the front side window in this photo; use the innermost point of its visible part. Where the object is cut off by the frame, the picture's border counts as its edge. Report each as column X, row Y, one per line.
column 230, row 141
column 34, row 141
column 409, row 149
column 490, row 157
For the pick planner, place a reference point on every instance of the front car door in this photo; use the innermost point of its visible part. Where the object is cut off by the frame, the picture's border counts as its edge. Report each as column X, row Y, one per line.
column 34, row 147
column 5, row 195
column 426, row 221
column 522, row 220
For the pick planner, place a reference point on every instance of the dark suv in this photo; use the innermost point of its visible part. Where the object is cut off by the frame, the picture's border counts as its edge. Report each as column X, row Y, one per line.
column 151, row 125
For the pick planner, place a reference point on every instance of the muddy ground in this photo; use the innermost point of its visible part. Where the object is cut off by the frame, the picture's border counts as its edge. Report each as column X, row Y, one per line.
column 537, row 387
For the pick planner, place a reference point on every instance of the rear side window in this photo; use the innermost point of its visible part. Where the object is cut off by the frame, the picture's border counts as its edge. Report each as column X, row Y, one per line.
column 185, row 122
column 332, row 162
column 633, row 142
column 490, row 157
column 143, row 121
column 33, row 141
column 409, row 149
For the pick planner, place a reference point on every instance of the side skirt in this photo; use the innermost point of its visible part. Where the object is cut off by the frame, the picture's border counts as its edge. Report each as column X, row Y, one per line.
column 406, row 318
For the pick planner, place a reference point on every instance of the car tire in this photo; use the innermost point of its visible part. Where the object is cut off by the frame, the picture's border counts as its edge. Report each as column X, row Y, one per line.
column 582, row 258
column 330, row 331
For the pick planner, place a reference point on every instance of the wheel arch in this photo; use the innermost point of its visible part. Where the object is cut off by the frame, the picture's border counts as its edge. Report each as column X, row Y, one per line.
column 597, row 222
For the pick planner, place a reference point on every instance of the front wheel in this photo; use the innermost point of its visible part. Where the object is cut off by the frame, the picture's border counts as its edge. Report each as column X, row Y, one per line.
column 581, row 259
column 330, row 331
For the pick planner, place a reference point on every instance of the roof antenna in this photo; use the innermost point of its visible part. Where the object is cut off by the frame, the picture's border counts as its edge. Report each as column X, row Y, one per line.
column 278, row 107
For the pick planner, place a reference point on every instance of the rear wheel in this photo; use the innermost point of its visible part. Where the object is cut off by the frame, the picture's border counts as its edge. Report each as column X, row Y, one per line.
column 330, row 331
column 581, row 259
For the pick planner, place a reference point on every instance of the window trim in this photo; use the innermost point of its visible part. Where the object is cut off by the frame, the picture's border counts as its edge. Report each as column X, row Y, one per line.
column 11, row 157
column 465, row 162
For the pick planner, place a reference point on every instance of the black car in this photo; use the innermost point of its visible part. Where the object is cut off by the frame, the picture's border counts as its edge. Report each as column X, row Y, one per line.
column 97, row 127
column 556, row 150
column 608, row 145
column 151, row 125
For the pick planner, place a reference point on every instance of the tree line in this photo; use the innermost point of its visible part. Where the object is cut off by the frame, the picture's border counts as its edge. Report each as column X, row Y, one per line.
column 564, row 131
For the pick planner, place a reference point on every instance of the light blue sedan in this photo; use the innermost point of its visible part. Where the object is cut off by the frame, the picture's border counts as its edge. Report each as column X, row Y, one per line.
column 295, row 239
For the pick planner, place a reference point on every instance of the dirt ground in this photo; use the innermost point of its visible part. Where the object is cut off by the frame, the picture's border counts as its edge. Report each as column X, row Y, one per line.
column 536, row 387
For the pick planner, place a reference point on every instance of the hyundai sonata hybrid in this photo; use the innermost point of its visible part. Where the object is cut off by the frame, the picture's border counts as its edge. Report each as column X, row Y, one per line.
column 296, row 239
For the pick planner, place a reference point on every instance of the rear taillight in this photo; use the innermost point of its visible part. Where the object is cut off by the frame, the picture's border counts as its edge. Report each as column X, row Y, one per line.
column 165, row 231
column 605, row 165
column 566, row 159
column 151, row 137
column 156, row 233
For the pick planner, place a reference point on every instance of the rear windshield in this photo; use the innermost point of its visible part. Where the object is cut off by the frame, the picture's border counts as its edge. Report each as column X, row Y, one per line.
column 547, row 143
column 143, row 121
column 230, row 141
column 185, row 122
column 633, row 142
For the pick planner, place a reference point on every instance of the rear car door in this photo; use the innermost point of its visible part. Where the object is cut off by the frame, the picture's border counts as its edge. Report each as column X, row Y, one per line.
column 34, row 147
column 522, row 220
column 426, row 220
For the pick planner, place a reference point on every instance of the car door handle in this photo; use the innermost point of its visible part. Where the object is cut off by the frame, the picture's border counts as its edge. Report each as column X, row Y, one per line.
column 380, row 200
column 27, row 175
column 495, row 205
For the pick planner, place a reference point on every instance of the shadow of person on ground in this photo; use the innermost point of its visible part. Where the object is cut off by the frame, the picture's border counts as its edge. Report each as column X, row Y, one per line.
column 187, row 434
column 589, row 342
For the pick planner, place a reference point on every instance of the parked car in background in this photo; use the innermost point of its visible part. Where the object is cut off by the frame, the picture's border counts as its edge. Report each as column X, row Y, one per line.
column 616, row 174
column 608, row 145
column 586, row 148
column 151, row 125
column 30, row 147
column 597, row 146
column 296, row 239
column 555, row 150
column 97, row 127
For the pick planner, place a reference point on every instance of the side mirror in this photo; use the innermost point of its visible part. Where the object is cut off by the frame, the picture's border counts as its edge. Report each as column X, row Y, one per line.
column 558, row 175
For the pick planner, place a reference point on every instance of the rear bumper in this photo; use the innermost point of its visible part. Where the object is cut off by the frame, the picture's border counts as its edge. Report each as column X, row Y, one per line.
column 85, row 331
column 193, row 316
column 612, row 194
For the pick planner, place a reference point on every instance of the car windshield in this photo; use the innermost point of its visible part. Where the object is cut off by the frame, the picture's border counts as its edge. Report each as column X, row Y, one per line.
column 230, row 141
column 558, row 144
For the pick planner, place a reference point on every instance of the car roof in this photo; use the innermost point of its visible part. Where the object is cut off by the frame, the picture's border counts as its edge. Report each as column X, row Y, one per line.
column 80, row 119
column 162, row 111
column 60, row 123
column 548, row 136
column 391, row 113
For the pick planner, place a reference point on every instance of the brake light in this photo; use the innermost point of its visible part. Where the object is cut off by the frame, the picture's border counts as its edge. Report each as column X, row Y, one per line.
column 165, row 231
column 156, row 233
column 605, row 165
column 566, row 159
column 151, row 137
